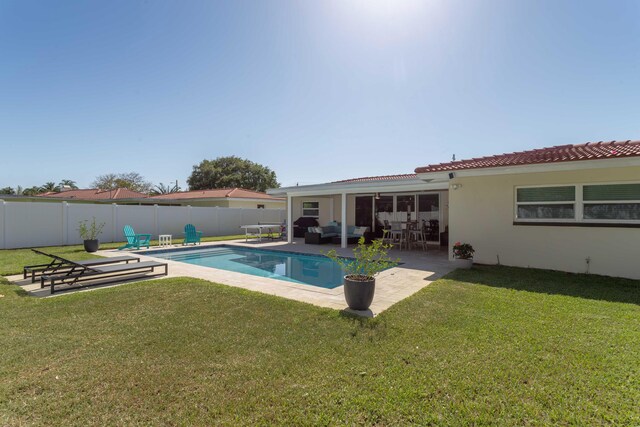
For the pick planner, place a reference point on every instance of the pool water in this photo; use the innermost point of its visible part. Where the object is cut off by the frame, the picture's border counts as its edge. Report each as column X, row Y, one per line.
column 314, row 270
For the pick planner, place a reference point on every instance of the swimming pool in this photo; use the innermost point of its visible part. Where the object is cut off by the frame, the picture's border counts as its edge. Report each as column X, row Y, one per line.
column 314, row 270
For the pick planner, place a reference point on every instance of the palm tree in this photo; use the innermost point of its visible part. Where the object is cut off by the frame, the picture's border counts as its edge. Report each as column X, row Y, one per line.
column 7, row 190
column 32, row 191
column 49, row 186
column 68, row 183
column 165, row 189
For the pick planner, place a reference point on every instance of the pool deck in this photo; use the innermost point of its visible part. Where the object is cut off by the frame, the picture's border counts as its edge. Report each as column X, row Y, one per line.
column 418, row 270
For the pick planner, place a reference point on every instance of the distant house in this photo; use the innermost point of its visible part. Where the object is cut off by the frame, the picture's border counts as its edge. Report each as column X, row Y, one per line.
column 95, row 195
column 223, row 197
column 122, row 196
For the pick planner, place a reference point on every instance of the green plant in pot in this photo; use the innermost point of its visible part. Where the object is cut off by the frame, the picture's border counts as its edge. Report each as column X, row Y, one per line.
column 89, row 232
column 360, row 272
column 463, row 255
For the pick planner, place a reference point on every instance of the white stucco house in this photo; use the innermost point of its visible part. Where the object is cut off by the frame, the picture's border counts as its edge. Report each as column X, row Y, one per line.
column 573, row 208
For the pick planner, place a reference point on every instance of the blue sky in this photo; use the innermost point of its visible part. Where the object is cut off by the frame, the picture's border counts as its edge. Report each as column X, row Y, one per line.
column 318, row 91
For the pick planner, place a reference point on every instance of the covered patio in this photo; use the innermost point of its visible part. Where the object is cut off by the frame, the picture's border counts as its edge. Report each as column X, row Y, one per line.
column 372, row 202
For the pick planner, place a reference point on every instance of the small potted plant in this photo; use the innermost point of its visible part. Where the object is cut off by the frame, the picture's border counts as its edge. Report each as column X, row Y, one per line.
column 463, row 255
column 89, row 232
column 359, row 280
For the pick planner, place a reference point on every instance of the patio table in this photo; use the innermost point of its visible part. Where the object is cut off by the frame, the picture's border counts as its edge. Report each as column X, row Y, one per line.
column 256, row 230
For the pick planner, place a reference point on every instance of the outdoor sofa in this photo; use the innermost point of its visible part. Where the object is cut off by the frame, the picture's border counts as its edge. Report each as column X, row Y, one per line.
column 332, row 233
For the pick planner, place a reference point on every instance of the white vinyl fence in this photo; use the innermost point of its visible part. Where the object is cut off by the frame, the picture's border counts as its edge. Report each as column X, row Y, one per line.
column 27, row 224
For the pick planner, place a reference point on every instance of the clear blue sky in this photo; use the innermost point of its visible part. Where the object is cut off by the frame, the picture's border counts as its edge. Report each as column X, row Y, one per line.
column 318, row 91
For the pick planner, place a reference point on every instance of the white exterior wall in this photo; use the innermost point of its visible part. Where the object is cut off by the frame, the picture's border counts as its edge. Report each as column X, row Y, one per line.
column 254, row 204
column 324, row 204
column 251, row 204
column 33, row 224
column 482, row 213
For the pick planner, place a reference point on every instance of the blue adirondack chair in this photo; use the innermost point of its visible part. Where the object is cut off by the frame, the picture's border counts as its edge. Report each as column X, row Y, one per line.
column 191, row 235
column 135, row 240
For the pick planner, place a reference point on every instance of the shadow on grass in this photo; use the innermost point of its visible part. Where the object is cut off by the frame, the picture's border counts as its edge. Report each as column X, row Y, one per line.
column 552, row 282
column 6, row 288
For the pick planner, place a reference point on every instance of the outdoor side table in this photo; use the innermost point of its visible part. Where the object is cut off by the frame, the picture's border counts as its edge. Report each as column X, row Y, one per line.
column 164, row 240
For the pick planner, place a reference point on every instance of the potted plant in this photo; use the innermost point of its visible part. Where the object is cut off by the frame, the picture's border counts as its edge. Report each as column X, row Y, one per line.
column 89, row 232
column 463, row 255
column 359, row 280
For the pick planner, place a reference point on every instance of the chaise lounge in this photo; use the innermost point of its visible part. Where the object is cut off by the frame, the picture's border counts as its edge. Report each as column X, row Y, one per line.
column 83, row 276
column 59, row 265
column 332, row 233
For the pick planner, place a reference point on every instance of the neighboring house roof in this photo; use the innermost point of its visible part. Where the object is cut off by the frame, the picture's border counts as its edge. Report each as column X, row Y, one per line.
column 220, row 193
column 95, row 194
column 557, row 154
column 379, row 178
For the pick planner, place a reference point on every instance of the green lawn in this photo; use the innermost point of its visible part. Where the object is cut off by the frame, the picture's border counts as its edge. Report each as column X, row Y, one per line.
column 12, row 260
column 493, row 345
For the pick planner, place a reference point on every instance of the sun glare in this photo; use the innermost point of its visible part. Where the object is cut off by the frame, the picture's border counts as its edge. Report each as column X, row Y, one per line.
column 387, row 19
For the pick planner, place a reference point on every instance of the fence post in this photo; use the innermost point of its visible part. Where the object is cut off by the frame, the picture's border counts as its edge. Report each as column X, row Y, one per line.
column 156, row 225
column 189, row 214
column 65, row 223
column 114, row 221
column 3, row 224
column 217, row 211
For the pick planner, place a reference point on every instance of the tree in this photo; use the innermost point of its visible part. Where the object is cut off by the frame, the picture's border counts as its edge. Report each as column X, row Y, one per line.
column 232, row 171
column 7, row 190
column 131, row 180
column 165, row 189
column 31, row 191
column 68, row 183
column 49, row 186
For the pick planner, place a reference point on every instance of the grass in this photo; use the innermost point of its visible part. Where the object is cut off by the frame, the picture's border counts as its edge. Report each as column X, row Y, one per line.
column 488, row 346
column 12, row 260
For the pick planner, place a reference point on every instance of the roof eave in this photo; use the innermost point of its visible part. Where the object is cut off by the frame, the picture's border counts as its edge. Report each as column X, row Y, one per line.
column 354, row 187
column 533, row 168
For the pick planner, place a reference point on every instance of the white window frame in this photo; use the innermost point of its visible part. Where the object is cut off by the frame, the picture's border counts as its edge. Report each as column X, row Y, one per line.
column 579, row 204
column 575, row 203
column 306, row 209
column 607, row 202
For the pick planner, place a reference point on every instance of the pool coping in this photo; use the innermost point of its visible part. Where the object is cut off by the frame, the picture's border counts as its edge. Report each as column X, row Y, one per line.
column 418, row 270
column 199, row 247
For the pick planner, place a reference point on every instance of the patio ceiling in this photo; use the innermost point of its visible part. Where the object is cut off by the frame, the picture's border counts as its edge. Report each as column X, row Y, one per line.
column 359, row 187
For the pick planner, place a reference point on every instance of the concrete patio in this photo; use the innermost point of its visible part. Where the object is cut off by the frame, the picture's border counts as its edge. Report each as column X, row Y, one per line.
column 418, row 269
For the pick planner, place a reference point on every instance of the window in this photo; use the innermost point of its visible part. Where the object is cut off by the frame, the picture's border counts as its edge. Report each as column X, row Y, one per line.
column 611, row 202
column 311, row 209
column 260, row 206
column 582, row 204
column 546, row 203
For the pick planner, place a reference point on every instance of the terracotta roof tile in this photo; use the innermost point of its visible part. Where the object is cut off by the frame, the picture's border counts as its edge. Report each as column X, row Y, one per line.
column 561, row 153
column 95, row 194
column 379, row 178
column 237, row 193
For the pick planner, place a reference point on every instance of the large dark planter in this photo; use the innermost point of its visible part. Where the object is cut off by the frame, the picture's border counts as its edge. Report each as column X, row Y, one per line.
column 359, row 295
column 91, row 245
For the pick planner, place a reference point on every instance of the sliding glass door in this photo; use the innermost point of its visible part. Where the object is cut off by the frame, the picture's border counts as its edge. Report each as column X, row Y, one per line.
column 364, row 211
column 429, row 215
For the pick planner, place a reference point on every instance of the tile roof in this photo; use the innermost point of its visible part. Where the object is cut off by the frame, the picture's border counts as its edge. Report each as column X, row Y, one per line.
column 379, row 178
column 557, row 154
column 237, row 193
column 95, row 194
